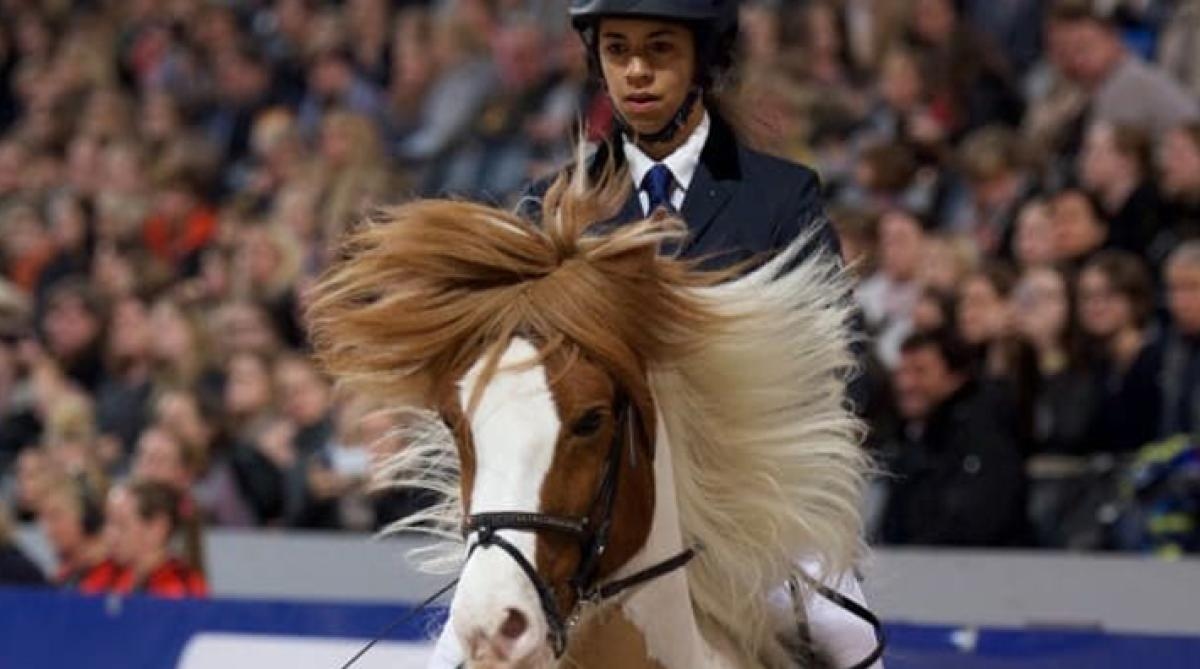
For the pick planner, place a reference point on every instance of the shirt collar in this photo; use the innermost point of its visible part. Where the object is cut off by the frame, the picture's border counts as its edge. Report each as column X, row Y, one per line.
column 682, row 162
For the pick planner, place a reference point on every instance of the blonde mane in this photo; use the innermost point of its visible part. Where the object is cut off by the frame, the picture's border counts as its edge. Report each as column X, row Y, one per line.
column 748, row 377
column 768, row 467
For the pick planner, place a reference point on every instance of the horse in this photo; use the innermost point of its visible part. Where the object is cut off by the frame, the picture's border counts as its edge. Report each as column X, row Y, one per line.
column 628, row 451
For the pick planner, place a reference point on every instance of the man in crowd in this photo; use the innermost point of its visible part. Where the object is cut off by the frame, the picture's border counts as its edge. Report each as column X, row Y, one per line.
column 958, row 473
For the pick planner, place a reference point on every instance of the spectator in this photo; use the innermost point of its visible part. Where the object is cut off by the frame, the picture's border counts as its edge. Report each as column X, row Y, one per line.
column 70, row 232
column 1004, row 363
column 15, row 567
column 217, row 478
column 141, row 519
column 122, row 398
column 267, row 266
column 454, row 98
column 1179, row 48
column 162, row 457
column 181, row 223
column 1079, row 231
column 1181, row 350
column 25, row 246
column 1122, row 88
column 33, row 473
column 858, row 235
column 334, row 83
column 180, row 349
column 935, row 310
column 243, row 91
column 1115, row 167
column 948, row 260
column 997, row 188
column 248, row 398
column 352, row 172
column 971, row 84
column 985, row 315
column 307, row 405
column 494, row 158
column 901, row 113
column 887, row 298
column 958, row 469
column 338, row 470
column 74, row 327
column 1115, row 306
column 1033, row 240
column 1179, row 169
column 1008, row 26
column 71, row 517
column 244, row 326
column 1064, row 397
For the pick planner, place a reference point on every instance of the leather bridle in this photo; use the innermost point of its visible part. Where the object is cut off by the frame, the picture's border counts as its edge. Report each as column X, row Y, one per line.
column 591, row 532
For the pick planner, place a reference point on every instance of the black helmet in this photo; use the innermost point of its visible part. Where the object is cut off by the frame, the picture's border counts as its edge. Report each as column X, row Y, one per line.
column 708, row 11
column 714, row 24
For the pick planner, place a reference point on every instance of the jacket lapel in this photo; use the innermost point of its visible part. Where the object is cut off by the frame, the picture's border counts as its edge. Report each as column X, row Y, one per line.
column 716, row 177
column 713, row 183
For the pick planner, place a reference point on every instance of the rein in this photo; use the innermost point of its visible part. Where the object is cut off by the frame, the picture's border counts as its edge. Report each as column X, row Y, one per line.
column 592, row 537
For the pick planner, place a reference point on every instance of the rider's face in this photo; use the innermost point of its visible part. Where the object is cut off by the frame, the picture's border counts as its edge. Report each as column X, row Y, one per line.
column 648, row 66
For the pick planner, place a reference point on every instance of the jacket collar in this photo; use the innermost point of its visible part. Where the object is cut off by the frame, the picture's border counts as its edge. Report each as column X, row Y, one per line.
column 717, row 174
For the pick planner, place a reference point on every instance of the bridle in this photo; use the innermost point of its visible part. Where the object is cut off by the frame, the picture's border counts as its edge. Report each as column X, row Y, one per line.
column 592, row 536
column 590, row 531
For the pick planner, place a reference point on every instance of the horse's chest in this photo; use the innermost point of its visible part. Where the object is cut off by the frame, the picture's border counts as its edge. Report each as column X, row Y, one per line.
column 608, row 639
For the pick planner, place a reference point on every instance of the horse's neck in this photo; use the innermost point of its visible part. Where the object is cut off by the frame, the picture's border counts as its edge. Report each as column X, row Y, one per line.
column 653, row 626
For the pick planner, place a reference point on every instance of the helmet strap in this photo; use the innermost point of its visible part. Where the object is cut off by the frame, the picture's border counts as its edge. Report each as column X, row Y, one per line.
column 668, row 131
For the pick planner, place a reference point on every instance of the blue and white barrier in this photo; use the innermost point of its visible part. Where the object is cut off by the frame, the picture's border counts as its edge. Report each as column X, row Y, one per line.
column 51, row 630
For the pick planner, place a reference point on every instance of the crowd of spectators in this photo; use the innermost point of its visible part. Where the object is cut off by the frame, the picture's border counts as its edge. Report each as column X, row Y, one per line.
column 1016, row 184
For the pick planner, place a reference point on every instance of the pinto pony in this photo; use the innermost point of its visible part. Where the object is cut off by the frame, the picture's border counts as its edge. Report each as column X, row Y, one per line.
column 629, row 452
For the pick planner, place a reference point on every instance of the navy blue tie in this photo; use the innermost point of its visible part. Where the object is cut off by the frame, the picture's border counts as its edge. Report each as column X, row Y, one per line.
column 657, row 184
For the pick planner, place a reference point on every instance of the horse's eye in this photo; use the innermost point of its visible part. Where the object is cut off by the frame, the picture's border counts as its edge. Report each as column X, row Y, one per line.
column 588, row 423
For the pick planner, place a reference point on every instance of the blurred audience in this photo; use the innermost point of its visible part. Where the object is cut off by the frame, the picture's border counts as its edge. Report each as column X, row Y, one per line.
column 1016, row 183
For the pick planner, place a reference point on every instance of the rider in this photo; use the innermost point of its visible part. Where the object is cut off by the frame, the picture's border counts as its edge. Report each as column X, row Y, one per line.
column 663, row 63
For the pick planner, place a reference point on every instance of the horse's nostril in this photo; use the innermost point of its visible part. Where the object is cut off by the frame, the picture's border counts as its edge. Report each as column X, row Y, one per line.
column 514, row 625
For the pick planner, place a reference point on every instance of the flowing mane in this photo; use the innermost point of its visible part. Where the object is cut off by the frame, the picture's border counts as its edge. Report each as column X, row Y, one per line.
column 768, row 467
column 747, row 377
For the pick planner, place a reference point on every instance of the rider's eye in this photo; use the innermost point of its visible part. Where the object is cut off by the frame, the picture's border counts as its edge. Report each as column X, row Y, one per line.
column 588, row 424
column 615, row 49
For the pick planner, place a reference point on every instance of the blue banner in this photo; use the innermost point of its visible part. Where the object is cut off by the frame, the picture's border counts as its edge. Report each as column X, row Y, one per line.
column 47, row 630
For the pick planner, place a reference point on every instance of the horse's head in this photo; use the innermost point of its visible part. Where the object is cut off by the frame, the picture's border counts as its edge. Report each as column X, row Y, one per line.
column 558, row 491
column 533, row 346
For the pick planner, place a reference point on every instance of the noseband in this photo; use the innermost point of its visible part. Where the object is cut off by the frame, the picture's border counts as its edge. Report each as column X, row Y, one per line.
column 590, row 532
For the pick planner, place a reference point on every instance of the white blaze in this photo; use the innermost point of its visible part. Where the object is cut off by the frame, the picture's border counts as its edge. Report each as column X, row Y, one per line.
column 515, row 427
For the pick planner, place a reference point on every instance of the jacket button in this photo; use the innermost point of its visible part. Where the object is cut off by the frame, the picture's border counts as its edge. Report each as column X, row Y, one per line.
column 971, row 464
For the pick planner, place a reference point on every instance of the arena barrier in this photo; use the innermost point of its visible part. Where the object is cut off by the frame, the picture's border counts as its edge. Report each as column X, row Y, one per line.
column 311, row 599
column 48, row 630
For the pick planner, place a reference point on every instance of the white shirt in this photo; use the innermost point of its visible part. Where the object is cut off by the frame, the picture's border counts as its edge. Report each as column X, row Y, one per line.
column 682, row 163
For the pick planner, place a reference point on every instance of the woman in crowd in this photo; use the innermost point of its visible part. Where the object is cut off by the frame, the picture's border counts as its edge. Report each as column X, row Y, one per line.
column 71, row 517
column 984, row 316
column 1116, row 301
column 1179, row 168
column 1043, row 309
column 142, row 519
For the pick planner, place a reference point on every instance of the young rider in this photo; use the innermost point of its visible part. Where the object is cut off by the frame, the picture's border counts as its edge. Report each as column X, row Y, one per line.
column 662, row 63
